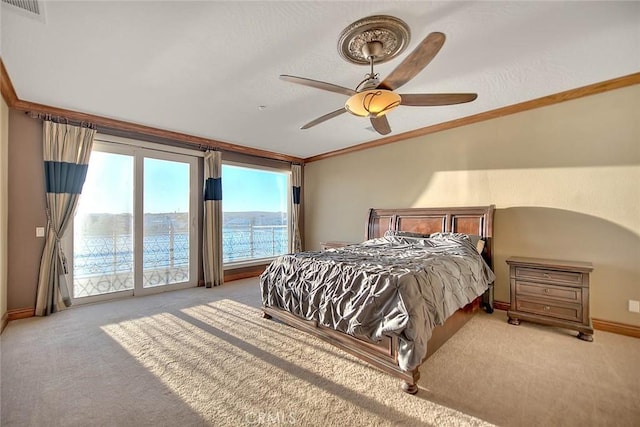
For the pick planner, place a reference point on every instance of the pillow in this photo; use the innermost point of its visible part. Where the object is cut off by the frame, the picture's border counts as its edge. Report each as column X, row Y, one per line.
column 400, row 233
column 477, row 241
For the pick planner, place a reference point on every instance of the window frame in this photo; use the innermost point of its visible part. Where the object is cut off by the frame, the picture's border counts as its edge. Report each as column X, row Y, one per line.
column 265, row 260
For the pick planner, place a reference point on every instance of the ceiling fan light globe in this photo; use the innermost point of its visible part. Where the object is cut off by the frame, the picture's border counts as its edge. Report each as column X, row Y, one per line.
column 372, row 103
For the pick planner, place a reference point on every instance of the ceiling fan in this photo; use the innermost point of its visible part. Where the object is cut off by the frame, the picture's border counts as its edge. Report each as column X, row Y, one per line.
column 377, row 39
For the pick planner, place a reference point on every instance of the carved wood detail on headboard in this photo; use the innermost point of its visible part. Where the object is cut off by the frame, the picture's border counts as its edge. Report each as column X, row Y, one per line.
column 477, row 220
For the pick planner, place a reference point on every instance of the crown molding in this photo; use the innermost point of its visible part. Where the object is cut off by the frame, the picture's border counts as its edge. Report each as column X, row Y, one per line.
column 620, row 82
column 12, row 100
column 6, row 87
column 133, row 129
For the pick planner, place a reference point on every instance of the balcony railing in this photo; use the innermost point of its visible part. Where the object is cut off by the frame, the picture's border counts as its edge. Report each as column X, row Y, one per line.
column 104, row 263
column 246, row 242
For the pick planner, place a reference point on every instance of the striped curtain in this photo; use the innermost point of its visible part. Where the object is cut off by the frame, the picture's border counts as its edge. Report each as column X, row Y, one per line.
column 212, row 222
column 296, row 181
column 66, row 159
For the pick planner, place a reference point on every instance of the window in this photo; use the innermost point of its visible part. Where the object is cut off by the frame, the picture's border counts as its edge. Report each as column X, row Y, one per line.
column 134, row 231
column 255, row 213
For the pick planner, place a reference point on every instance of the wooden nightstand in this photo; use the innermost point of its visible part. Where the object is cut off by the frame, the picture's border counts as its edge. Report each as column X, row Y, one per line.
column 333, row 245
column 552, row 293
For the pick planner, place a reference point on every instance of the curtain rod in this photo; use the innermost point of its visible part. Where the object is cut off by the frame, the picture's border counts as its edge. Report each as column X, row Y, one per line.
column 60, row 119
column 150, row 138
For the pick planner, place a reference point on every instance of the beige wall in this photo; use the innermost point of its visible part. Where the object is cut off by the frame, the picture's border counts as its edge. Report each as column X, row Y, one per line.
column 565, row 180
column 4, row 202
column 26, row 209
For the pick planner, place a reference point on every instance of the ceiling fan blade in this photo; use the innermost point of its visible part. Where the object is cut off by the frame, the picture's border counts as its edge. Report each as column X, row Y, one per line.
column 318, row 84
column 415, row 62
column 429, row 99
column 324, row 118
column 381, row 125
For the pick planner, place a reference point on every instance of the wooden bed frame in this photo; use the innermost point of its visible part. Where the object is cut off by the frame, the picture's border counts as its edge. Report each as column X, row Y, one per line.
column 384, row 354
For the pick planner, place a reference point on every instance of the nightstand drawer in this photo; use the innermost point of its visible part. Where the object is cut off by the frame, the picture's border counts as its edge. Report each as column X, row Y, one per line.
column 572, row 312
column 566, row 277
column 556, row 292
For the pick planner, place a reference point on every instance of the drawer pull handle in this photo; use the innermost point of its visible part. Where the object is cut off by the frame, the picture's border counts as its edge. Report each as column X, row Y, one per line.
column 547, row 308
column 547, row 276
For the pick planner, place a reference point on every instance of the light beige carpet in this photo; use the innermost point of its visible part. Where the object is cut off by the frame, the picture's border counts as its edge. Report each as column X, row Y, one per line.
column 206, row 357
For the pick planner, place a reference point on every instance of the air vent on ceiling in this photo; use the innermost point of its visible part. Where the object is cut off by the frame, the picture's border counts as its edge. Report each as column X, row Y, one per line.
column 32, row 6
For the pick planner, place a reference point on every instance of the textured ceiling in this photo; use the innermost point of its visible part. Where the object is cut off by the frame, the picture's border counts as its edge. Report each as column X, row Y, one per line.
column 204, row 68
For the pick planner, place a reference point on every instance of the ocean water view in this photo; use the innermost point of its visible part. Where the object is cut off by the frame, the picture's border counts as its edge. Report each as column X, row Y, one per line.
column 114, row 253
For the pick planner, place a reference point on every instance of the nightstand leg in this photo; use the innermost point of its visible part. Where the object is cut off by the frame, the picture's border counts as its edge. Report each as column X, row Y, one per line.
column 585, row 337
column 514, row 321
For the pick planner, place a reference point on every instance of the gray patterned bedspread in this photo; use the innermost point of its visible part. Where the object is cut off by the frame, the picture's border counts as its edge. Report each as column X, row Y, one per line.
column 390, row 285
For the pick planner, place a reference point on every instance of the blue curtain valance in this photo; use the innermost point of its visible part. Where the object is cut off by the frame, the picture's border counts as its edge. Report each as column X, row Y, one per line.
column 64, row 177
column 296, row 195
column 213, row 189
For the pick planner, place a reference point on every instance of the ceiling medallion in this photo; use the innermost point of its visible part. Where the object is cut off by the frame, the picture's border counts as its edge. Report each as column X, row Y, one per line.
column 391, row 32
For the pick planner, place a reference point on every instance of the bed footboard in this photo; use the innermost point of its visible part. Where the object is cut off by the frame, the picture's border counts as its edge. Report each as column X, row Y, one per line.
column 382, row 355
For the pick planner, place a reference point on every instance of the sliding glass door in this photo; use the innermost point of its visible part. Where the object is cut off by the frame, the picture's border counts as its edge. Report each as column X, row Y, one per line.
column 134, row 230
column 103, row 227
column 166, row 240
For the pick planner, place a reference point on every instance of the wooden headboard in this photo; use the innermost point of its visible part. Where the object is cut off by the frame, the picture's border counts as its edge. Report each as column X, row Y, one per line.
column 476, row 220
